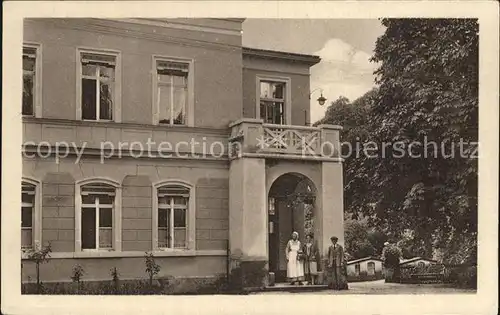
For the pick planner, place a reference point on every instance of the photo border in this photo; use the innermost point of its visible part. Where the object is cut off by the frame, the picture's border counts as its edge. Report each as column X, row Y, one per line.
column 483, row 302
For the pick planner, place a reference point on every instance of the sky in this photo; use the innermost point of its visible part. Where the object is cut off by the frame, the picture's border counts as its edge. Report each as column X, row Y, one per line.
column 344, row 45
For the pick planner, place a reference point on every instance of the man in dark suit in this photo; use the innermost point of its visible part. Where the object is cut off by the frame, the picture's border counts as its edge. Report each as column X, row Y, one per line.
column 335, row 265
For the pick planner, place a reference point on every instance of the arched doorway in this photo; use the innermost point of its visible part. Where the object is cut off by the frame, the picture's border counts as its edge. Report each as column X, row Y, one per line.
column 291, row 207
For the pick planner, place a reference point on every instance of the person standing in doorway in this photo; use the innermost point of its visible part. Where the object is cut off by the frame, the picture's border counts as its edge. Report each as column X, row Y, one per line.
column 295, row 266
column 311, row 253
column 335, row 264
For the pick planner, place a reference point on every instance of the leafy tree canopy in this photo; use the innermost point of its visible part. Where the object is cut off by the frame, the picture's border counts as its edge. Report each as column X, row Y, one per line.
column 427, row 94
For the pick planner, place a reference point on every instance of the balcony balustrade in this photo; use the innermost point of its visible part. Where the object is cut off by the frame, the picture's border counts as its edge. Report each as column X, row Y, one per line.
column 252, row 137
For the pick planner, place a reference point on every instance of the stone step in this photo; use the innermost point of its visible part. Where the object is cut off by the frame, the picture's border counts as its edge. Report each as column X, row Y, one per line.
column 282, row 287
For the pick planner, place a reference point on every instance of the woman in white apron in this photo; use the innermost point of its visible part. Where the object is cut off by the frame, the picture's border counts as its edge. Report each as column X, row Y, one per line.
column 295, row 265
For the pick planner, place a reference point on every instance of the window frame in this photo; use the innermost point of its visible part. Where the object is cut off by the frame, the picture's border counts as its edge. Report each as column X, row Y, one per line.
column 37, row 214
column 116, row 216
column 368, row 264
column 287, row 117
column 190, row 216
column 357, row 269
column 117, row 87
column 189, row 106
column 37, row 87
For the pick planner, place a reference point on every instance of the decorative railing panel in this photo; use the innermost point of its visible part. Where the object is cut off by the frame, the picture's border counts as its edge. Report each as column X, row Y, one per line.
column 252, row 136
column 291, row 139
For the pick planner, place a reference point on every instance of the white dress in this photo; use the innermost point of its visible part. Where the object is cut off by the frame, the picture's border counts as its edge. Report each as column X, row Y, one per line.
column 295, row 267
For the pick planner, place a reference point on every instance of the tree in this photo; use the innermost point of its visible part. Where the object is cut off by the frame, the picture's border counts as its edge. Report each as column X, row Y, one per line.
column 353, row 117
column 391, row 255
column 428, row 93
column 152, row 268
column 77, row 275
column 357, row 242
column 427, row 96
column 39, row 255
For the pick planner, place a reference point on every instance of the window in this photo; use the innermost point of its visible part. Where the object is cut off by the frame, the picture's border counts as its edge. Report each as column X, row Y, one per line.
column 357, row 269
column 98, row 216
column 272, row 102
column 30, row 213
column 371, row 268
column 171, row 92
column 98, row 85
column 173, row 217
column 31, row 81
column 27, row 214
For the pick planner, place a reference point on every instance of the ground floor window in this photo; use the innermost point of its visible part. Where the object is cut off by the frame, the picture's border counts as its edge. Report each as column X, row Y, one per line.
column 27, row 215
column 97, row 216
column 173, row 203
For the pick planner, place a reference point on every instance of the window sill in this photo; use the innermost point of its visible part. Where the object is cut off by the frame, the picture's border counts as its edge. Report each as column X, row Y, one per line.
column 100, row 121
column 124, row 254
column 125, row 125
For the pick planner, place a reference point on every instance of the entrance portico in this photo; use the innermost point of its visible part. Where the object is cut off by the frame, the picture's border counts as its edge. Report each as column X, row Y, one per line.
column 300, row 170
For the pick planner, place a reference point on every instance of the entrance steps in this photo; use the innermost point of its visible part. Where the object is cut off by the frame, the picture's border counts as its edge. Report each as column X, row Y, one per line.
column 286, row 287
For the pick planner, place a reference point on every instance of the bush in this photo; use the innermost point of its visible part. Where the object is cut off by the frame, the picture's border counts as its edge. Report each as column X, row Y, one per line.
column 152, row 268
column 77, row 275
column 167, row 285
column 247, row 274
column 462, row 275
column 39, row 255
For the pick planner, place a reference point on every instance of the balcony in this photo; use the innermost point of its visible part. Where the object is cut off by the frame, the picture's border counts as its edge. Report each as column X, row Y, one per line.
column 253, row 138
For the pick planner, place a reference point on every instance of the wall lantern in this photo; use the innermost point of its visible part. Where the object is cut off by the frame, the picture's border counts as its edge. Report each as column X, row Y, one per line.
column 321, row 100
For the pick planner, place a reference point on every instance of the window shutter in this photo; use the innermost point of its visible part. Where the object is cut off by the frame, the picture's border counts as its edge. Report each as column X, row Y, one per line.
column 173, row 190
column 28, row 189
column 172, row 68
column 107, row 60
column 29, row 52
column 98, row 189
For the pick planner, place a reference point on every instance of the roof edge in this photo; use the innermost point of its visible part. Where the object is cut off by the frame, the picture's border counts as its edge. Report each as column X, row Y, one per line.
column 363, row 259
column 283, row 55
column 415, row 259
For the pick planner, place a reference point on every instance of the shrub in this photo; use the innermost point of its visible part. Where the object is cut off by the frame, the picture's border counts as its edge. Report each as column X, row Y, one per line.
column 247, row 274
column 152, row 268
column 39, row 255
column 462, row 275
column 116, row 280
column 77, row 275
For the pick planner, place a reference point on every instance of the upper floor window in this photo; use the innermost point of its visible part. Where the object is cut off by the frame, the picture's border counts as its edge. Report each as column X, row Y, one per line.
column 98, row 77
column 30, row 213
column 272, row 101
column 98, row 87
column 172, row 91
column 31, row 81
column 98, row 216
column 173, row 217
column 173, row 95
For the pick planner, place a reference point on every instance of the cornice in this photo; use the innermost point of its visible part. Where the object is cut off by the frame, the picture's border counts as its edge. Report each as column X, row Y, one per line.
column 286, row 56
column 102, row 26
column 171, row 23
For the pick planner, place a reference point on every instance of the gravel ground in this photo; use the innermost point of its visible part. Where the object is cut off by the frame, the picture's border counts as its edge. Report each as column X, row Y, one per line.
column 380, row 287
